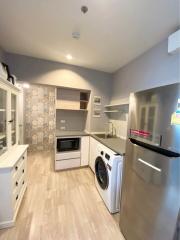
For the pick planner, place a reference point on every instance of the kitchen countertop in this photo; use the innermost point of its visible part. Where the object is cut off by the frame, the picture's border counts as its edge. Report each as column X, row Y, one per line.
column 118, row 145
column 9, row 158
column 60, row 133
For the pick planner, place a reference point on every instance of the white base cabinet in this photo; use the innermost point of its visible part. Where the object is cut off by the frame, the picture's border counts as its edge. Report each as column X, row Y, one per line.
column 73, row 159
column 13, row 183
column 85, row 151
column 94, row 146
column 12, row 156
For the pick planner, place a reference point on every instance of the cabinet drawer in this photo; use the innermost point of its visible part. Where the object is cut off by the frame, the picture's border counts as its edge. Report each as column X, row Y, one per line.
column 17, row 177
column 19, row 166
column 19, row 172
column 18, row 191
column 68, row 155
column 69, row 163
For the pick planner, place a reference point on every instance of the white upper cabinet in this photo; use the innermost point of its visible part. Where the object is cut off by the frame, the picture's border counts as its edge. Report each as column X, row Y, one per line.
column 8, row 115
column 13, row 119
column 3, row 122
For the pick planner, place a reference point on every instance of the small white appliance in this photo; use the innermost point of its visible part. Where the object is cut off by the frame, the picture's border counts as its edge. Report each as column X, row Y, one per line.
column 108, row 177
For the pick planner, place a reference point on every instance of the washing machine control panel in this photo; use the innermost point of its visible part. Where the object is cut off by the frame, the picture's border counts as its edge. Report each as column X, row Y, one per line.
column 107, row 156
column 109, row 167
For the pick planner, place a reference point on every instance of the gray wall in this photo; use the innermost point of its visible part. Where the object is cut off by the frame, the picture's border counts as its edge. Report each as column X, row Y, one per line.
column 2, row 56
column 34, row 70
column 154, row 68
column 74, row 120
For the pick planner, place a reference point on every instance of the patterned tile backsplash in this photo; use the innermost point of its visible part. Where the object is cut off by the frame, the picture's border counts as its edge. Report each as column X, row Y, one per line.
column 40, row 119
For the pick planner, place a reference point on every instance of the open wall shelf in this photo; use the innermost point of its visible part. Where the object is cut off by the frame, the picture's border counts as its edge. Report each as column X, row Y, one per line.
column 121, row 107
column 65, row 109
column 72, row 99
column 111, row 111
column 121, row 103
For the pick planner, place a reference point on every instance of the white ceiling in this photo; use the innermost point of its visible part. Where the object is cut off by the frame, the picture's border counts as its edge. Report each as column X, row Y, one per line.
column 113, row 32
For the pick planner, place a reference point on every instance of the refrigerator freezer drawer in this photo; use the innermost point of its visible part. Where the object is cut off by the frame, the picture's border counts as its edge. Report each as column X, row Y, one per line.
column 150, row 195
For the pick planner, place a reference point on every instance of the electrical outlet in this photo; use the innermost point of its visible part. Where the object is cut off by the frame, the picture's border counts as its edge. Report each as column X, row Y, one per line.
column 63, row 121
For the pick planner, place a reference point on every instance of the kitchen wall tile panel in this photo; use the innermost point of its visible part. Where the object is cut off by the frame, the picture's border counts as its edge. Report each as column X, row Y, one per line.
column 40, row 117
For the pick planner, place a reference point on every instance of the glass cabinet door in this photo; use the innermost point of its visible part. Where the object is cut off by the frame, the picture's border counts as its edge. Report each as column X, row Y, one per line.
column 13, row 119
column 3, row 120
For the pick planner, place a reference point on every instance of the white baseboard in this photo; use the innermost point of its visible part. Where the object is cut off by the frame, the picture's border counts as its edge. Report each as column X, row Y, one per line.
column 7, row 224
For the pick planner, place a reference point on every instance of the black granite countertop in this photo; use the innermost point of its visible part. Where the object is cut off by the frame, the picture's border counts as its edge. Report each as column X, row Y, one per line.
column 118, row 145
column 60, row 133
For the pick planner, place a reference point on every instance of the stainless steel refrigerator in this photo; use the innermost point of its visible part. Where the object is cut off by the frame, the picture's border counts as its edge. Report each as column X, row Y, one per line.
column 151, row 180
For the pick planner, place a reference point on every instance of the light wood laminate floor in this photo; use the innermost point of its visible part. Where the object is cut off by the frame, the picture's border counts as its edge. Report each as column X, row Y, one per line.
column 61, row 205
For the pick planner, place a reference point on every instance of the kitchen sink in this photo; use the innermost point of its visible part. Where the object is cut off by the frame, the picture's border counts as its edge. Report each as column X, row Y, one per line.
column 105, row 136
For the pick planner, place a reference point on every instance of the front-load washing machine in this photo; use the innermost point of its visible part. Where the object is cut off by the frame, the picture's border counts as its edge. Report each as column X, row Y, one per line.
column 108, row 177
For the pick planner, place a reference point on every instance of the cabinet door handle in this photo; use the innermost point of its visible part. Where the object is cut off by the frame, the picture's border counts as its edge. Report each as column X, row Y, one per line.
column 16, row 168
column 23, row 183
column 10, row 121
column 23, row 171
column 17, row 197
column 23, row 157
column 16, row 183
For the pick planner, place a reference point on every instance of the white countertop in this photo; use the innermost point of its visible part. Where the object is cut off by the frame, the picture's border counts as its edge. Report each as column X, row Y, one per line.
column 9, row 158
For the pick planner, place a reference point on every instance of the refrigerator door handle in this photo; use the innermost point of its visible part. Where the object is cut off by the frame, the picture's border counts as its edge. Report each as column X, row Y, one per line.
column 149, row 165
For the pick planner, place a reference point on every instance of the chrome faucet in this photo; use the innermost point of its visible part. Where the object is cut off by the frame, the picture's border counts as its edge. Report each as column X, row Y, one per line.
column 111, row 133
column 112, row 127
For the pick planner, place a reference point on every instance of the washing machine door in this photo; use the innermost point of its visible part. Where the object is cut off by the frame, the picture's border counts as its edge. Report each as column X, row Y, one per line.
column 101, row 173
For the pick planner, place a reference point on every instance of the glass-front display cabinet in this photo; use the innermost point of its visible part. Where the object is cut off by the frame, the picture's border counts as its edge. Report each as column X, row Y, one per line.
column 8, row 116
column 3, row 120
column 13, row 119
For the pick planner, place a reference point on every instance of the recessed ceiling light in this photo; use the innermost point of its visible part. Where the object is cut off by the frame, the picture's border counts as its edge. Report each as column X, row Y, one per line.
column 26, row 85
column 69, row 57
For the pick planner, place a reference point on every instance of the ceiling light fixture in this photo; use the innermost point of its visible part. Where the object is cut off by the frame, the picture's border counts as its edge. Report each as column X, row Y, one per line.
column 84, row 9
column 26, row 85
column 69, row 57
